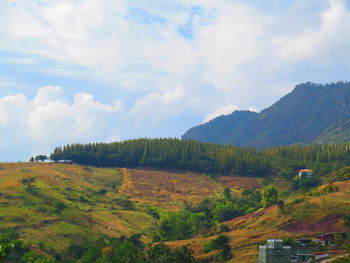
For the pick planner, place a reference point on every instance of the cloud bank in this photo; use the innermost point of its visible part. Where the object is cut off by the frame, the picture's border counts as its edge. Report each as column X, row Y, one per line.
column 49, row 119
column 173, row 65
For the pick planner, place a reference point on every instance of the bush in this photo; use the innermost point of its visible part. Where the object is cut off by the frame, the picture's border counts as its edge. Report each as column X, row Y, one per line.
column 269, row 196
column 125, row 204
column 7, row 235
column 224, row 228
column 103, row 191
column 59, row 207
column 342, row 260
column 220, row 243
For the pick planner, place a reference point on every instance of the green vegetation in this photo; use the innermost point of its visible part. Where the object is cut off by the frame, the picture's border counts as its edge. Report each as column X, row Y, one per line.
column 167, row 153
column 102, row 250
column 342, row 260
column 306, row 183
column 311, row 113
column 221, row 243
column 213, row 159
column 269, row 196
column 204, row 218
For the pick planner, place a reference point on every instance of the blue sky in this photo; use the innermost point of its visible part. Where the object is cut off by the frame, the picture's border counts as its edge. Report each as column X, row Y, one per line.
column 91, row 70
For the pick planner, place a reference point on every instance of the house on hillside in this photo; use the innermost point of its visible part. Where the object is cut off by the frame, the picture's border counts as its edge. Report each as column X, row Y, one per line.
column 305, row 173
column 325, row 239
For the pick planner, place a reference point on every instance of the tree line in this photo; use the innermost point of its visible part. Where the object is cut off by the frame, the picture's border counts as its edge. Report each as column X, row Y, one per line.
column 206, row 157
column 166, row 153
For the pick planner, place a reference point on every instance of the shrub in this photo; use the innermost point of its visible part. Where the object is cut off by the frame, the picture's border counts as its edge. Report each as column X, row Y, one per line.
column 59, row 207
column 103, row 191
column 224, row 228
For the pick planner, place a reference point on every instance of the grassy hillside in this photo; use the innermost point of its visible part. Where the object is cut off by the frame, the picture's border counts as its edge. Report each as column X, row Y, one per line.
column 55, row 204
column 96, row 200
column 92, row 204
column 320, row 211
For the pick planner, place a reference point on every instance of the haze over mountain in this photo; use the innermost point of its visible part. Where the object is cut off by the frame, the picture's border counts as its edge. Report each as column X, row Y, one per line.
column 311, row 113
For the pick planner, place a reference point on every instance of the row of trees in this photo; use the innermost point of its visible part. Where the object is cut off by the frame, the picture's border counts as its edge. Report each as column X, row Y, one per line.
column 41, row 158
column 326, row 153
column 206, row 157
column 167, row 153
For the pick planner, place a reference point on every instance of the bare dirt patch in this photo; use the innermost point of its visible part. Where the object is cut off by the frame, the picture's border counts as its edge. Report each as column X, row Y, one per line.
column 328, row 224
column 240, row 182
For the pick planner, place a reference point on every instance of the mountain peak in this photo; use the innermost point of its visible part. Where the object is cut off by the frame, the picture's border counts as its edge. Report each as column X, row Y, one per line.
column 311, row 113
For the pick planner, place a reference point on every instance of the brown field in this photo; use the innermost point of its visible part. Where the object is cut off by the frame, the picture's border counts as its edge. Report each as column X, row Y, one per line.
column 167, row 189
column 249, row 183
column 171, row 189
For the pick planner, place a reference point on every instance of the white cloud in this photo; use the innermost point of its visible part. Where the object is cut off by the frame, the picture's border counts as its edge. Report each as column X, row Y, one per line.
column 235, row 55
column 49, row 120
column 224, row 110
column 157, row 106
column 13, row 110
column 324, row 43
column 98, row 35
column 48, row 94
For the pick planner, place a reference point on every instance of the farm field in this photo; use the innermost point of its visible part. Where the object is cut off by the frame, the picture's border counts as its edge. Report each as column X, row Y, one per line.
column 172, row 189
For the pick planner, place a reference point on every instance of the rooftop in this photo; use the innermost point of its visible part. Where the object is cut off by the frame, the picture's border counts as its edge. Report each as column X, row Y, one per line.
column 306, row 171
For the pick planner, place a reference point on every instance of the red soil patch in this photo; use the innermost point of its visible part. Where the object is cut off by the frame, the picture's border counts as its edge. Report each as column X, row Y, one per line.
column 240, row 182
column 325, row 225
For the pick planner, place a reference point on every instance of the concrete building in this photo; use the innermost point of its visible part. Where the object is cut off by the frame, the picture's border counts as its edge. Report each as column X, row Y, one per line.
column 274, row 252
column 305, row 173
column 301, row 255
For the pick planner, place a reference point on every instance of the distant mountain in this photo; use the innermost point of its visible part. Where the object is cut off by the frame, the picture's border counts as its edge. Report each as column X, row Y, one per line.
column 311, row 113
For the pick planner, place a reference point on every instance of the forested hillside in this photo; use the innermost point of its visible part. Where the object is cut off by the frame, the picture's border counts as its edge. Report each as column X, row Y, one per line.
column 207, row 157
column 310, row 113
column 167, row 153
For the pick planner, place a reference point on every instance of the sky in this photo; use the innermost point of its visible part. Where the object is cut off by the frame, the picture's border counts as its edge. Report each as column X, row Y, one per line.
column 78, row 71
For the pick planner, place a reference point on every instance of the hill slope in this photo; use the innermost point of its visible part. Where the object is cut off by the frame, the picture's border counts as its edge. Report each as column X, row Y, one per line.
column 91, row 206
column 301, row 217
column 97, row 201
column 310, row 113
column 116, row 202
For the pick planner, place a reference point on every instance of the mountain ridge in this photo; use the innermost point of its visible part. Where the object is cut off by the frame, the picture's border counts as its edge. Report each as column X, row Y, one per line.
column 311, row 113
